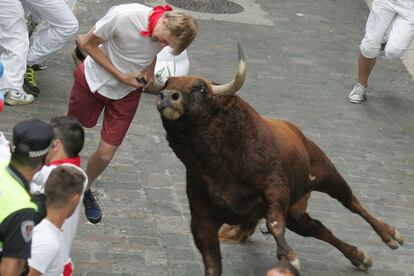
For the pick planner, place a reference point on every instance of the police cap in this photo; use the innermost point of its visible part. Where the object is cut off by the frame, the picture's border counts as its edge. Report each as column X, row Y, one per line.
column 32, row 138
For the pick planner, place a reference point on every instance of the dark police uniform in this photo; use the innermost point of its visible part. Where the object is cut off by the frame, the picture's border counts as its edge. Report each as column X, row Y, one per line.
column 31, row 139
column 17, row 213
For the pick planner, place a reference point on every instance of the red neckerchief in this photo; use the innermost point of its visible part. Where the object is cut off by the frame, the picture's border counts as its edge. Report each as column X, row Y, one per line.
column 75, row 161
column 157, row 12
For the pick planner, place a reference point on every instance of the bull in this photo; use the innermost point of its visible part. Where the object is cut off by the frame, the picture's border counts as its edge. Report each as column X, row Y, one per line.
column 242, row 167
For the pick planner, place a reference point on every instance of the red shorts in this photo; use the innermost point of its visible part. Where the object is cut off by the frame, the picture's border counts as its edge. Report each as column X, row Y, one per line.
column 87, row 106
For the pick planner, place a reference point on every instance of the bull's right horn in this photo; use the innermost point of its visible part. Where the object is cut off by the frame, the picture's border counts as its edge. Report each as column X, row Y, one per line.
column 233, row 86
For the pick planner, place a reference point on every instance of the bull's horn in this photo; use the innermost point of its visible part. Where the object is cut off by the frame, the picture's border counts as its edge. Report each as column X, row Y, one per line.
column 233, row 86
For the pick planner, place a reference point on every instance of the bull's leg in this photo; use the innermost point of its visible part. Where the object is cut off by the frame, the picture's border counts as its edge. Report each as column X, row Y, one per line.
column 325, row 178
column 277, row 196
column 204, row 227
column 236, row 233
column 336, row 187
column 308, row 227
column 205, row 233
column 275, row 222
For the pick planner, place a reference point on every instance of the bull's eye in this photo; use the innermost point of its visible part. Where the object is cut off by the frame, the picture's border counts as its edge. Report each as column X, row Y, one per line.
column 175, row 96
column 161, row 96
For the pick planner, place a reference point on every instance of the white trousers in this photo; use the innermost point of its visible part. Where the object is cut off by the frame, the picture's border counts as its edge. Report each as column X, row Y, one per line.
column 396, row 14
column 14, row 44
column 60, row 25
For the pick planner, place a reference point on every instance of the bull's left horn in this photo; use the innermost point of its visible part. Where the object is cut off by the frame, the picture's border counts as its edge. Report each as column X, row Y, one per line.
column 233, row 86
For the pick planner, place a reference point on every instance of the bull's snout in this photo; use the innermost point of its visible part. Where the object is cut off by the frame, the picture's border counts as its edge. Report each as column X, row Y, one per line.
column 170, row 104
column 168, row 98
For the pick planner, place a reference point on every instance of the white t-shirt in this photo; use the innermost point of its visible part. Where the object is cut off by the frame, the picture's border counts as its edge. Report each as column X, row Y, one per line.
column 125, row 47
column 70, row 225
column 47, row 252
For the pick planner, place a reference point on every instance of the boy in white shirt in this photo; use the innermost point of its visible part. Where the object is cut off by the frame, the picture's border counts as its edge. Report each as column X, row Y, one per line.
column 121, row 49
column 63, row 189
column 66, row 146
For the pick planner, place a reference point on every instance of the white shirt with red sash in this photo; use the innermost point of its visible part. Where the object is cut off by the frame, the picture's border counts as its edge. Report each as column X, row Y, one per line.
column 70, row 225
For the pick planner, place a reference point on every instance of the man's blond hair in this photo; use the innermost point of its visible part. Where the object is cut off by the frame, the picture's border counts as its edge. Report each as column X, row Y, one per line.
column 182, row 27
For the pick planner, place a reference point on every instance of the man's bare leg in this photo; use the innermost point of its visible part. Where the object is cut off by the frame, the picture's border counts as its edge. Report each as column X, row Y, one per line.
column 97, row 163
column 99, row 160
column 365, row 66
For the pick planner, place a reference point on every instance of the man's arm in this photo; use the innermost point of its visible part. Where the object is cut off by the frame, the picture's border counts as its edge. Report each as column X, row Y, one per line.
column 90, row 45
column 149, row 71
column 152, row 87
column 17, row 230
column 11, row 266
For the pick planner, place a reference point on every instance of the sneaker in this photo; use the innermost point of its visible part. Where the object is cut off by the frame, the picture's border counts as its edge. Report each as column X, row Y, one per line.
column 30, row 82
column 15, row 97
column 39, row 67
column 358, row 94
column 92, row 210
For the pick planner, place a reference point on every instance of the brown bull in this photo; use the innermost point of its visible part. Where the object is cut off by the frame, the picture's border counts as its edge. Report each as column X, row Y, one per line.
column 242, row 167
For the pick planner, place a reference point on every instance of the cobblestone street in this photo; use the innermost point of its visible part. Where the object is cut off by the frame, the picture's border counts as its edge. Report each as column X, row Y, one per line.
column 302, row 63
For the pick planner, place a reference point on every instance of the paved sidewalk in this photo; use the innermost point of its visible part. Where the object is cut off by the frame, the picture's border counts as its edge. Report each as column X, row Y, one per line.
column 301, row 58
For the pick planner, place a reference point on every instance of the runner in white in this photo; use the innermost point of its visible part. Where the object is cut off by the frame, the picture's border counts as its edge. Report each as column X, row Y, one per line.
column 60, row 25
column 14, row 42
column 64, row 188
column 396, row 15
column 68, row 142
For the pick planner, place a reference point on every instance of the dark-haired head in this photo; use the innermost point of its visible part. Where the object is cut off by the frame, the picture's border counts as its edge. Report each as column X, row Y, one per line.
column 70, row 132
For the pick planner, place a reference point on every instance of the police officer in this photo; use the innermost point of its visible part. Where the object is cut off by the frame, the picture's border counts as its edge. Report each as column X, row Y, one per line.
column 31, row 142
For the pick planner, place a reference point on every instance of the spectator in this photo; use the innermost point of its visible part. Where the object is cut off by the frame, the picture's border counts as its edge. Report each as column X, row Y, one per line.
column 121, row 47
column 399, row 17
column 32, row 141
column 63, row 189
column 67, row 144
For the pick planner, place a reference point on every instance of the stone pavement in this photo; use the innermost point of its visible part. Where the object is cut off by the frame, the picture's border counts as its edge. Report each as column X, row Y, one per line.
column 301, row 58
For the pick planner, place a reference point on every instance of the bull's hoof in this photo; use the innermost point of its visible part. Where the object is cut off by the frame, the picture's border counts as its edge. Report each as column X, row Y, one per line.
column 212, row 272
column 292, row 258
column 365, row 263
column 296, row 263
column 396, row 240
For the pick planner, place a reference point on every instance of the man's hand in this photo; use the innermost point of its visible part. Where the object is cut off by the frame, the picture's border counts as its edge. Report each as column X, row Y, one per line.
column 133, row 80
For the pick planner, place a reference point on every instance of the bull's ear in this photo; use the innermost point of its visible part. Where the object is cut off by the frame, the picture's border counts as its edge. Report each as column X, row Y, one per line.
column 199, row 86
